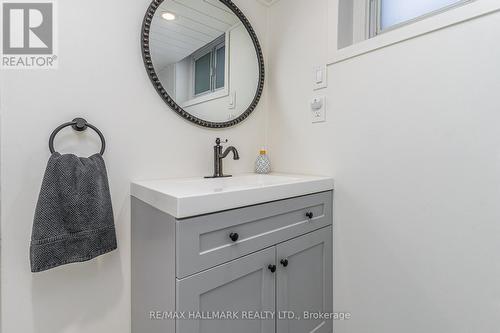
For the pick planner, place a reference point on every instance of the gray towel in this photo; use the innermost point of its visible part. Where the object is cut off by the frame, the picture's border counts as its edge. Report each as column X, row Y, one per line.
column 74, row 217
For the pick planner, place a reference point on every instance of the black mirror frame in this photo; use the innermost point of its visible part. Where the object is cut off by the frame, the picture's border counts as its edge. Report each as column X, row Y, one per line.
column 148, row 63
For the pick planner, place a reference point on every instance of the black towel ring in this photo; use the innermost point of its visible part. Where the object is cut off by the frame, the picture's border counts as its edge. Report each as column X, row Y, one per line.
column 80, row 125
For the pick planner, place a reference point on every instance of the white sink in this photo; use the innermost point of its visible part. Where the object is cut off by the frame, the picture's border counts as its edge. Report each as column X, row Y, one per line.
column 185, row 197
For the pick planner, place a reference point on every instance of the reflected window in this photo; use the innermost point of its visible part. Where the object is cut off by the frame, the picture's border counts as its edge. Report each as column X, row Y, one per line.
column 209, row 67
column 220, row 66
column 202, row 69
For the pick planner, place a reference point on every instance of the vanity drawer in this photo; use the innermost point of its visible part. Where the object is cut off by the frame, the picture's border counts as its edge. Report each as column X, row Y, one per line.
column 204, row 241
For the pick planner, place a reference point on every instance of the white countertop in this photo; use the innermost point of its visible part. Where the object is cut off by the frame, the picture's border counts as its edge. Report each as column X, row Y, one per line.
column 185, row 197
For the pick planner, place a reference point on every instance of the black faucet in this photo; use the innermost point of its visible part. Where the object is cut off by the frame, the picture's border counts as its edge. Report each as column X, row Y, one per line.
column 219, row 156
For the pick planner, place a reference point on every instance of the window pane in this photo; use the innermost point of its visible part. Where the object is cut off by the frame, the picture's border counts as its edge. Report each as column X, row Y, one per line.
column 202, row 74
column 220, row 67
column 393, row 12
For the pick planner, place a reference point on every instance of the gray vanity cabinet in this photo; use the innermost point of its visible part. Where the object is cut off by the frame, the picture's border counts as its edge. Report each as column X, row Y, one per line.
column 303, row 278
column 304, row 281
column 245, row 284
column 263, row 259
column 204, row 241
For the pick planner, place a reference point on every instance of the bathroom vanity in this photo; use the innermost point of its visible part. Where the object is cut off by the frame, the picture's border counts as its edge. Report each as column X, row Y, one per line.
column 231, row 255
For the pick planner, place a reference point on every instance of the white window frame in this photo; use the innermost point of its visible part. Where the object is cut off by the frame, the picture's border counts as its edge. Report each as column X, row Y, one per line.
column 374, row 16
column 469, row 11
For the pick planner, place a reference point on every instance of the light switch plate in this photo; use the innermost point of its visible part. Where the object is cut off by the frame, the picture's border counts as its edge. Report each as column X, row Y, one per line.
column 319, row 77
column 232, row 100
column 318, row 109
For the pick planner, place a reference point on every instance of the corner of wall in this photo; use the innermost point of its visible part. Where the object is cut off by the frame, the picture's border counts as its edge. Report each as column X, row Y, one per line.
column 266, row 85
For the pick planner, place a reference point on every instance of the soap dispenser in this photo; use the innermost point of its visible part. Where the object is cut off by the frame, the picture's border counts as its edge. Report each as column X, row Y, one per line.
column 263, row 164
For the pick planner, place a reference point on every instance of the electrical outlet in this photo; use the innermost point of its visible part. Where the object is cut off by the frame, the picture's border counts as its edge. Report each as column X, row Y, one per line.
column 318, row 109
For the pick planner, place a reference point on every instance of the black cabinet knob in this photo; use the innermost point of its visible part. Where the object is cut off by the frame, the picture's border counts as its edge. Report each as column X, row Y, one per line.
column 284, row 262
column 272, row 268
column 309, row 215
column 234, row 236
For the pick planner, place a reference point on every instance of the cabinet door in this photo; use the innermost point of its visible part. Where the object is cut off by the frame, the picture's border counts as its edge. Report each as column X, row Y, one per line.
column 245, row 284
column 304, row 283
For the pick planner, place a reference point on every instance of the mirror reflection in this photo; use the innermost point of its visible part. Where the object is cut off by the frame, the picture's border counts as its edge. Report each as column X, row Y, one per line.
column 204, row 58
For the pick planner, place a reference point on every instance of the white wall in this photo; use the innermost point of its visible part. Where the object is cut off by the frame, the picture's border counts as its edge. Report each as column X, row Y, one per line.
column 101, row 77
column 412, row 139
column 345, row 23
column 167, row 77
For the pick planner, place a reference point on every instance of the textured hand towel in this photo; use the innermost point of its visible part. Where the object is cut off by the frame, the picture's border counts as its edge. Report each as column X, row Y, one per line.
column 74, row 217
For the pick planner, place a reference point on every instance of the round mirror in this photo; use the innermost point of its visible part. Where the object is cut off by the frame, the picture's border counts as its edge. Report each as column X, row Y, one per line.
column 204, row 60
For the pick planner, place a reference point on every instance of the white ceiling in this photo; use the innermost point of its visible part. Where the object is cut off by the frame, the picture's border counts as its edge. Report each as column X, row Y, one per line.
column 198, row 23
